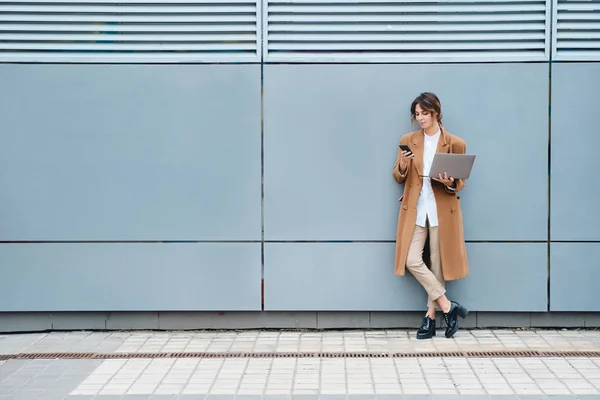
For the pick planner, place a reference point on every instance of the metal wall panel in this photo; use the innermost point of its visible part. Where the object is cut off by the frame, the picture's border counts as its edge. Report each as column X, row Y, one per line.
column 336, row 277
column 575, row 165
column 504, row 277
column 130, row 152
column 331, row 137
column 130, row 276
column 360, row 277
column 574, row 276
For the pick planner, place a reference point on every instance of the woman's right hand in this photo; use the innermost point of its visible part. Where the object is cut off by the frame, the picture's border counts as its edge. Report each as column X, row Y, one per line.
column 405, row 157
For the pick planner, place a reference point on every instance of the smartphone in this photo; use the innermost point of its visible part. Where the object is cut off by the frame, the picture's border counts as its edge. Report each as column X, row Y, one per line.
column 404, row 147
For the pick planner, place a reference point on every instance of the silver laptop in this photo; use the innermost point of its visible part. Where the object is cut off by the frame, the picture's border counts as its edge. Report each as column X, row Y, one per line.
column 457, row 166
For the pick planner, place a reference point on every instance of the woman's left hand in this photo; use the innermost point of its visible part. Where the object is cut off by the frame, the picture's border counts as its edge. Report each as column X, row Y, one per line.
column 446, row 180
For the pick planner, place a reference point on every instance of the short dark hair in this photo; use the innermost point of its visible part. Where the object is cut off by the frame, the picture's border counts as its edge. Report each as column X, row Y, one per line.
column 428, row 102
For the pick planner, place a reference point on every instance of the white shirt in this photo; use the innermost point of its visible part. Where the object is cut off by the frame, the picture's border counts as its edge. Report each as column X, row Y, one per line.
column 426, row 206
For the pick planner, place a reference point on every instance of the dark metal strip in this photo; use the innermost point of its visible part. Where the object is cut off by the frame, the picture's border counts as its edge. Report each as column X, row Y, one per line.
column 453, row 354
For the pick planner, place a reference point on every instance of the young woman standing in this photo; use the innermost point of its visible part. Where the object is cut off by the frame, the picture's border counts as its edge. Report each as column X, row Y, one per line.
column 430, row 207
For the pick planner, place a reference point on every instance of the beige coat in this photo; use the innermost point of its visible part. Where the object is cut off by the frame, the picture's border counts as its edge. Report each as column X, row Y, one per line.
column 450, row 226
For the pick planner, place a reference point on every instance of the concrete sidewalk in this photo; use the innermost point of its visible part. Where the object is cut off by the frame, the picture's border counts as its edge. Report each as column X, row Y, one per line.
column 399, row 366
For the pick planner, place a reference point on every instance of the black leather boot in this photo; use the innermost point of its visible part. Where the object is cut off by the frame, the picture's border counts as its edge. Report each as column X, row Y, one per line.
column 427, row 329
column 451, row 318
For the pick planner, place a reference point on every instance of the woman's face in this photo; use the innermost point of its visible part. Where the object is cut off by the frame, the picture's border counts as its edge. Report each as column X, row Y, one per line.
column 425, row 118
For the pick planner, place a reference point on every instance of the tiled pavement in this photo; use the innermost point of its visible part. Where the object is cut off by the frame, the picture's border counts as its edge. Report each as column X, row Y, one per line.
column 412, row 378
column 284, row 341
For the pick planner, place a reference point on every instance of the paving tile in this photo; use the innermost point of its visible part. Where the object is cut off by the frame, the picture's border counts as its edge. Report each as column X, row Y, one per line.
column 27, row 394
column 12, row 383
column 40, row 383
column 361, row 397
column 7, row 393
column 246, row 397
column 305, row 397
column 562, row 397
column 279, row 397
column 54, row 395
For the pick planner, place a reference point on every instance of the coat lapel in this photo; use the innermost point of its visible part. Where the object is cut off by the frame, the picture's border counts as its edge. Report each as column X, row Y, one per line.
column 417, row 147
column 443, row 145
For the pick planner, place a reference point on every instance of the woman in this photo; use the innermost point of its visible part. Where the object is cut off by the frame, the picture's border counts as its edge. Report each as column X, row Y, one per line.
column 430, row 206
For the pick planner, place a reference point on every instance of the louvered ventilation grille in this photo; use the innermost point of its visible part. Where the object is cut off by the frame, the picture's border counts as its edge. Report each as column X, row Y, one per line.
column 129, row 31
column 407, row 31
column 577, row 30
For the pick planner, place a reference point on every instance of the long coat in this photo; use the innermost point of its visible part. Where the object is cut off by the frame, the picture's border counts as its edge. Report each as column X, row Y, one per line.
column 450, row 226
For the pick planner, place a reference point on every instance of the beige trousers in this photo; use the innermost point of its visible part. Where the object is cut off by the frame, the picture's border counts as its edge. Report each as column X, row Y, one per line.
column 432, row 279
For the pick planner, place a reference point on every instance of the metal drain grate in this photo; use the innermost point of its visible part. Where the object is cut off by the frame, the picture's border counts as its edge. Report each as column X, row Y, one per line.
column 452, row 354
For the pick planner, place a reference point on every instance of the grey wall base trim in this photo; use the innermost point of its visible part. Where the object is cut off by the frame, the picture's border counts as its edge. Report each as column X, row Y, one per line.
column 47, row 321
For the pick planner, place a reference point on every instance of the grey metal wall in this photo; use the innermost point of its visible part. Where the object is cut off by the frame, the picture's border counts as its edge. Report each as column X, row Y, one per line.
column 331, row 134
column 166, row 187
column 575, row 195
column 130, row 187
